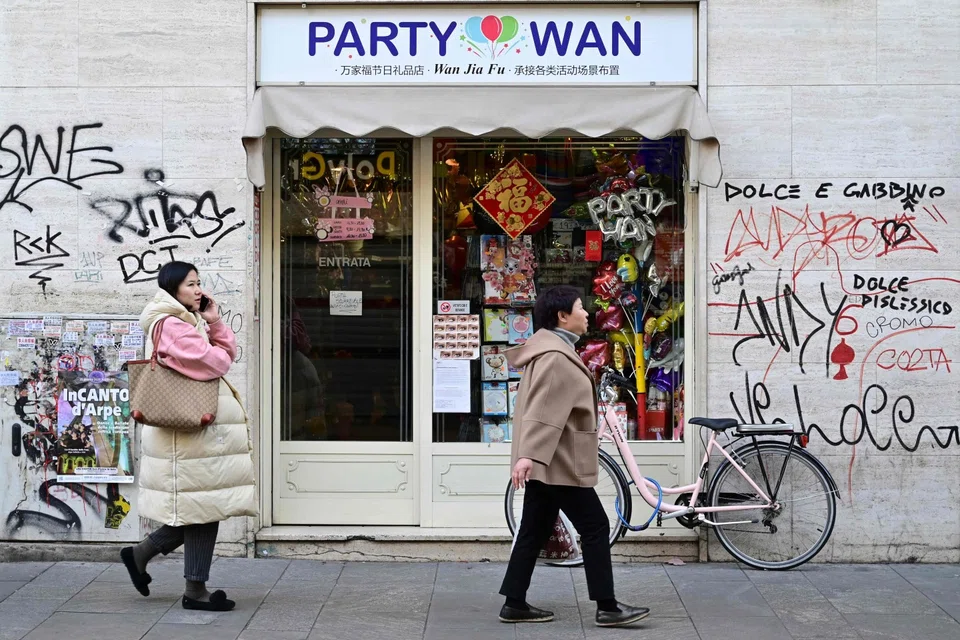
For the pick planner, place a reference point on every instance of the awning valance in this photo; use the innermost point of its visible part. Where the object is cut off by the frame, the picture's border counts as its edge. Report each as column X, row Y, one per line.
column 533, row 112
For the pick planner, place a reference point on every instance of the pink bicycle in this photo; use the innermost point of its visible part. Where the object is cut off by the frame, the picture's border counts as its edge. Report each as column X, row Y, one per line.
column 771, row 503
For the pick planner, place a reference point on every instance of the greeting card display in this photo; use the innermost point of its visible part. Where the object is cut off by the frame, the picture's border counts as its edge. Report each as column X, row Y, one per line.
column 515, row 372
column 494, row 363
column 512, row 389
column 509, row 266
column 495, row 432
column 456, row 337
column 495, row 399
column 520, row 326
column 514, row 199
column 495, row 325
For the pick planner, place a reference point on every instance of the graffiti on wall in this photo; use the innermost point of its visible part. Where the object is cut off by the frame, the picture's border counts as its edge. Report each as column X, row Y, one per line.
column 807, row 287
column 150, row 226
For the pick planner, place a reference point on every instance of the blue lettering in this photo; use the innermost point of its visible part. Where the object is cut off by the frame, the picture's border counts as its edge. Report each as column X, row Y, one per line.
column 316, row 39
column 413, row 27
column 550, row 32
column 387, row 40
column 442, row 37
column 597, row 43
column 620, row 33
column 349, row 30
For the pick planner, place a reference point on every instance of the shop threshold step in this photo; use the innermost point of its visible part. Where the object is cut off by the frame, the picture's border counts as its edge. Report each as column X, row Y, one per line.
column 308, row 533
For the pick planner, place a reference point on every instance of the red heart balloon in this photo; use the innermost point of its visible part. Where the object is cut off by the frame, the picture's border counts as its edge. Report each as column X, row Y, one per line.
column 607, row 284
column 610, row 319
column 595, row 354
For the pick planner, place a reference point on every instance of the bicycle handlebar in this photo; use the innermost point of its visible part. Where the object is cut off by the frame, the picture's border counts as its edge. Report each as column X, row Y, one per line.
column 612, row 378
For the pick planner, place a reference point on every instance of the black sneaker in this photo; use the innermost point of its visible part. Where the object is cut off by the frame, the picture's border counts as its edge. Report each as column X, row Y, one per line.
column 627, row 615
column 509, row 614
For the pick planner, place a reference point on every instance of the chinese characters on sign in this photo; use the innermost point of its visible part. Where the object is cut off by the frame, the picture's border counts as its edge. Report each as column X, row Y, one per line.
column 514, row 198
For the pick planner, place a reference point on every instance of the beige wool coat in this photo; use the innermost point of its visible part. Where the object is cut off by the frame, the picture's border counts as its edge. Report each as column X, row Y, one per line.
column 555, row 418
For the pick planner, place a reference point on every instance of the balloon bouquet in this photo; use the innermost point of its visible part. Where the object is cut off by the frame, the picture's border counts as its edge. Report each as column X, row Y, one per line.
column 496, row 31
column 634, row 309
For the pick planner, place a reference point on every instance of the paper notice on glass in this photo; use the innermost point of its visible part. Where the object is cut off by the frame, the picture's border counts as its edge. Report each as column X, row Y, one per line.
column 451, row 386
column 9, row 378
column 346, row 303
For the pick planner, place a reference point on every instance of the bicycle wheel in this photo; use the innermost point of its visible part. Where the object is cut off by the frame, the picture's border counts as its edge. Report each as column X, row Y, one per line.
column 788, row 535
column 611, row 486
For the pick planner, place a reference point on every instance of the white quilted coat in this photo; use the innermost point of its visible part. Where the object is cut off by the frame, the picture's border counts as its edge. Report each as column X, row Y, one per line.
column 195, row 478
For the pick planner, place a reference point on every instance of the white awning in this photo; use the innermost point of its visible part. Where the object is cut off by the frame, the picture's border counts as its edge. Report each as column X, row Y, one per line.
column 533, row 112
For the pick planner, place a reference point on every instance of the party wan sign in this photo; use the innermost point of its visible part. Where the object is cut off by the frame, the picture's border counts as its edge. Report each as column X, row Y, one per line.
column 429, row 44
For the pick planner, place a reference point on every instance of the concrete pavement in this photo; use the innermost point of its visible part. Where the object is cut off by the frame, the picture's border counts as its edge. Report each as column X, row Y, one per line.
column 300, row 600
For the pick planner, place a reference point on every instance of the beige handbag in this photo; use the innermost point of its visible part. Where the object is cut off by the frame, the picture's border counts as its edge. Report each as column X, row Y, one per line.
column 162, row 397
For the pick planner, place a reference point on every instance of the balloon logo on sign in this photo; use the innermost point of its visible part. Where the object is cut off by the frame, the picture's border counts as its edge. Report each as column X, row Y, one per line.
column 496, row 31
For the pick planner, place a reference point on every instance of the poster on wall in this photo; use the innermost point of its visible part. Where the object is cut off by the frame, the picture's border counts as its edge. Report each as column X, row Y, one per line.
column 93, row 427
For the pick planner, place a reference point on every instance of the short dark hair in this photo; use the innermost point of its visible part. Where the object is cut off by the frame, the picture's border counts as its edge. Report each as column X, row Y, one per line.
column 173, row 274
column 546, row 314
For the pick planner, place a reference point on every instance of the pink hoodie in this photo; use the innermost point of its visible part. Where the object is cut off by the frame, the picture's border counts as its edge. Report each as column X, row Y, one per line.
column 182, row 349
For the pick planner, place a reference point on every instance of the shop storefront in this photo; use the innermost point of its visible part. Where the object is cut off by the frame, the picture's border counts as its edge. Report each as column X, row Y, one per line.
column 426, row 172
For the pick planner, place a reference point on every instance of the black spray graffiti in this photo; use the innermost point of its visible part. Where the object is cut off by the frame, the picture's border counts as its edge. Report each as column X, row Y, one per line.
column 854, row 423
column 66, row 521
column 736, row 274
column 786, row 333
column 164, row 216
column 42, row 251
column 19, row 162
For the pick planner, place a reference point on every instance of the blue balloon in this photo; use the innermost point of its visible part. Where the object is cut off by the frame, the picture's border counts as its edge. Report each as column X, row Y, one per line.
column 472, row 28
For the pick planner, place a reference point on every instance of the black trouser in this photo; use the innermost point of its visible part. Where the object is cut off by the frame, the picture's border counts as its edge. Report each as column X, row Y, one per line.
column 541, row 506
column 198, row 542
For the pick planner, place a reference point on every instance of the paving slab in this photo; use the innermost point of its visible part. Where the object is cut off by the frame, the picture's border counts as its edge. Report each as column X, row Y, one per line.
column 92, row 626
column 22, row 571
column 737, row 598
column 8, row 587
column 905, row 627
column 301, row 600
column 164, row 631
column 738, row 628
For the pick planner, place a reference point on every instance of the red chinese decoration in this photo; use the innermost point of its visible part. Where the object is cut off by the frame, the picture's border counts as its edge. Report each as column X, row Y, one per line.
column 514, row 198
column 594, row 252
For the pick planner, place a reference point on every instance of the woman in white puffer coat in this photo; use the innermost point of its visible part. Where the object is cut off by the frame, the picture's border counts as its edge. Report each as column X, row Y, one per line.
column 189, row 482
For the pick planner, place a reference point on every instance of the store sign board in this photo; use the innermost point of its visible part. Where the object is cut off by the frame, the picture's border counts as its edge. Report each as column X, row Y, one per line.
column 484, row 44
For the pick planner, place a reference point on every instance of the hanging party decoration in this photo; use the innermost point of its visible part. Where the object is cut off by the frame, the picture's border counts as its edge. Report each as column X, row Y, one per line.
column 607, row 284
column 595, row 354
column 627, row 216
column 610, row 319
column 627, row 268
column 514, row 198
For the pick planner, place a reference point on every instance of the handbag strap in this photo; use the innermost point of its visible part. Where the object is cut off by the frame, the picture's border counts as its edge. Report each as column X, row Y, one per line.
column 157, row 331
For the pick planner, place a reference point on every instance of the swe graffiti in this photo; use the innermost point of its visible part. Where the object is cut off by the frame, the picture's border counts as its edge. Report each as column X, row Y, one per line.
column 19, row 163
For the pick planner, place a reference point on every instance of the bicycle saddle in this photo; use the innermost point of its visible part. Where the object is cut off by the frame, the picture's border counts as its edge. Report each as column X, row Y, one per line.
column 716, row 424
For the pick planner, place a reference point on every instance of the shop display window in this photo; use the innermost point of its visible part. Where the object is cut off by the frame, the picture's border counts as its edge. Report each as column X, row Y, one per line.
column 345, row 256
column 514, row 217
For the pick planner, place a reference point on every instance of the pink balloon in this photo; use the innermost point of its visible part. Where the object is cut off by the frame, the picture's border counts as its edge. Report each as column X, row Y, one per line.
column 491, row 28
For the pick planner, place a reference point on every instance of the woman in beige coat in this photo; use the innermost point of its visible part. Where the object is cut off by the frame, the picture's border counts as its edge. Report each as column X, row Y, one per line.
column 554, row 454
column 189, row 482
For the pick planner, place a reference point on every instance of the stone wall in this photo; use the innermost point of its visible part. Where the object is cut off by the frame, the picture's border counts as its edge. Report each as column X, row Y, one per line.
column 120, row 149
column 832, row 252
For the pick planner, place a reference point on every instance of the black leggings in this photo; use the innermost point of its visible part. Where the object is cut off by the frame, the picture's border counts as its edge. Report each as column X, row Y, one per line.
column 198, row 541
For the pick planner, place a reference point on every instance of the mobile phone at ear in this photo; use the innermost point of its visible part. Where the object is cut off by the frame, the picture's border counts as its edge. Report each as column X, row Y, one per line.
column 204, row 302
